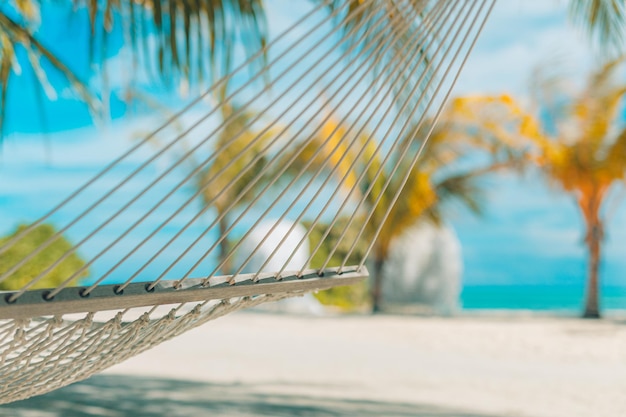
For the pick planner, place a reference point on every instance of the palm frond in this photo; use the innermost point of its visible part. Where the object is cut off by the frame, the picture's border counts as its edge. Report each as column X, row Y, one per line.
column 193, row 38
column 603, row 19
column 615, row 160
column 16, row 34
column 463, row 188
column 605, row 77
column 358, row 29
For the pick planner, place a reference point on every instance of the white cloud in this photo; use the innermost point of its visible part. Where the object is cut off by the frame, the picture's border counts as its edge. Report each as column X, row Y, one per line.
column 518, row 37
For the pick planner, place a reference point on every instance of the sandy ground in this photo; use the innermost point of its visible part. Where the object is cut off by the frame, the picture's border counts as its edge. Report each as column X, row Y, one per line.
column 429, row 366
column 260, row 364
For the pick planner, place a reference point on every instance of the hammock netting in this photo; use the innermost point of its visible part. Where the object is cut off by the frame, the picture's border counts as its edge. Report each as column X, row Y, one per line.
column 302, row 161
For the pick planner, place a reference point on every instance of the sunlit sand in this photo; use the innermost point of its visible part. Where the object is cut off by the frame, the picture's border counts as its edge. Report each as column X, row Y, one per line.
column 400, row 366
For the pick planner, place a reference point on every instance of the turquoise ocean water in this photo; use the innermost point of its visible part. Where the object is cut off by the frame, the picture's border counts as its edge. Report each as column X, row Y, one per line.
column 546, row 298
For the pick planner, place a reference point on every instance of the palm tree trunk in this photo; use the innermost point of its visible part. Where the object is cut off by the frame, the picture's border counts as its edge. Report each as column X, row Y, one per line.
column 594, row 242
column 590, row 204
column 224, row 247
column 377, row 288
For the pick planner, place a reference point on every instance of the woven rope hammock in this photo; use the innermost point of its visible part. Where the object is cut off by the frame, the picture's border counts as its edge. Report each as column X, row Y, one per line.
column 329, row 132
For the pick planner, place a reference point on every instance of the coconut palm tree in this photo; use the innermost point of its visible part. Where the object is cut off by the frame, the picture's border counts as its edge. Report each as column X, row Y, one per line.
column 244, row 154
column 431, row 184
column 576, row 139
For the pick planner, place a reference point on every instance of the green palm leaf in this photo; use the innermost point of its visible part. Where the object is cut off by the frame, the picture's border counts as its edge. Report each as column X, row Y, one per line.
column 14, row 35
column 604, row 19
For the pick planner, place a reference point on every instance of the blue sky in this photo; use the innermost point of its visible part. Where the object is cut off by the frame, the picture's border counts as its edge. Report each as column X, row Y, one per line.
column 530, row 235
column 519, row 36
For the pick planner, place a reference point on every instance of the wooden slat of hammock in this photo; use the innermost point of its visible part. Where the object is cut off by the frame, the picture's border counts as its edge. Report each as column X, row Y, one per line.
column 106, row 297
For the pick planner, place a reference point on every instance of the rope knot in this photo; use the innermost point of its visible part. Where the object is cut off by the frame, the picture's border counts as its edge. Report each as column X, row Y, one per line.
column 56, row 321
column 195, row 312
column 88, row 320
column 144, row 319
column 20, row 336
column 116, row 322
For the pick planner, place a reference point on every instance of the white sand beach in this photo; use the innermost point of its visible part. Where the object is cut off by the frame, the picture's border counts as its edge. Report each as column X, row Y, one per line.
column 394, row 366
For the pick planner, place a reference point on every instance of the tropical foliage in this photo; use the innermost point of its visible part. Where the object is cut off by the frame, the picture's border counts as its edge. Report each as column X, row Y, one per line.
column 348, row 298
column 18, row 25
column 28, row 244
column 180, row 41
column 603, row 19
column 576, row 139
column 226, row 181
column 184, row 41
column 421, row 190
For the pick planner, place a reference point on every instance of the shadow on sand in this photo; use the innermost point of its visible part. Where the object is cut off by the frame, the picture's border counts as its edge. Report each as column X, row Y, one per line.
column 123, row 396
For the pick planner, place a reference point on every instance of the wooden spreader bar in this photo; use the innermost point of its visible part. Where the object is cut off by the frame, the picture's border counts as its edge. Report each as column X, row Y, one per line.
column 106, row 297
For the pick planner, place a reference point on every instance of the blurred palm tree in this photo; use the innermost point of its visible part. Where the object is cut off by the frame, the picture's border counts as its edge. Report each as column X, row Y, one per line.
column 577, row 140
column 244, row 154
column 437, row 179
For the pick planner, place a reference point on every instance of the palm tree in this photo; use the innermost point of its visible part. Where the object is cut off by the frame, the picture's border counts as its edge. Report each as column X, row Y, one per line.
column 224, row 182
column 431, row 185
column 576, row 140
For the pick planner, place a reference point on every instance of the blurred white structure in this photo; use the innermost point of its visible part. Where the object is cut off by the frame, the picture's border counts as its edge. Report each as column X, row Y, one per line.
column 424, row 267
column 306, row 304
column 273, row 243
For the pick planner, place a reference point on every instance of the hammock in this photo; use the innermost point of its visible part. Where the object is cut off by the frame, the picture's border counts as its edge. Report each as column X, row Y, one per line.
column 354, row 86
